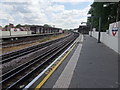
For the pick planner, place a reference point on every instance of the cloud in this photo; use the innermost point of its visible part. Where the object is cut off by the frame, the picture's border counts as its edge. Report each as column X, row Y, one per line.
column 41, row 12
column 70, row 18
column 48, row 0
column 73, row 0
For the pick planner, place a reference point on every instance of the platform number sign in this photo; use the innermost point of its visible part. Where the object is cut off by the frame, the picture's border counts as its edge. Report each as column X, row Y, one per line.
column 114, row 29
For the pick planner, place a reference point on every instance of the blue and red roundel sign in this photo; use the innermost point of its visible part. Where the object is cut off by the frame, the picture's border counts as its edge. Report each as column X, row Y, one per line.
column 15, row 29
column 114, row 29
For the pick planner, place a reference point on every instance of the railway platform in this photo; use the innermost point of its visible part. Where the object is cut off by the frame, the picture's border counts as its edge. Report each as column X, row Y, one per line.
column 88, row 65
column 29, row 35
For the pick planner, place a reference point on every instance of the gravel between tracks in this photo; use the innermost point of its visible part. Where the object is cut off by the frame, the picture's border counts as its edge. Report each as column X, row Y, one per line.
column 18, row 61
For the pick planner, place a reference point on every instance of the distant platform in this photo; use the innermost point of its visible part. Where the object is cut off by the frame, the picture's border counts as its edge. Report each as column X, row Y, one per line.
column 28, row 35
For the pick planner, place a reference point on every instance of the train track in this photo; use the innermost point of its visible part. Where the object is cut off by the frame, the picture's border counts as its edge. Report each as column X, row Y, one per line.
column 23, row 40
column 10, row 56
column 23, row 74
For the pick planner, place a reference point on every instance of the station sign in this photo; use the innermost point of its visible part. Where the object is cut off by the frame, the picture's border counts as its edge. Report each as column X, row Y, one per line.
column 15, row 29
column 113, row 29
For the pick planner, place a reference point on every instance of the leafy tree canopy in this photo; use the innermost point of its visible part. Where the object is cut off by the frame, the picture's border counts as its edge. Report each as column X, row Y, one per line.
column 106, row 10
column 46, row 25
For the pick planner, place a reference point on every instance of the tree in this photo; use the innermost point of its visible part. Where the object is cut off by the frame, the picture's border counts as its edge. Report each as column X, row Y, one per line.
column 18, row 26
column 108, row 14
column 6, row 26
column 46, row 25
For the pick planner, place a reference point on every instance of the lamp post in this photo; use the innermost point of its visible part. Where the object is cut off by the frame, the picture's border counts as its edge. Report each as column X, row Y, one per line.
column 99, row 34
column 100, row 20
column 10, row 32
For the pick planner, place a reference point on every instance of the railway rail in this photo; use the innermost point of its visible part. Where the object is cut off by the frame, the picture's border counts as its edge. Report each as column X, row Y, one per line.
column 10, row 56
column 23, row 40
column 23, row 74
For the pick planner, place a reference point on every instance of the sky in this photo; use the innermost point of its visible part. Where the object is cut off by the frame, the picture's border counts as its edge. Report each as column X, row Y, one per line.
column 66, row 14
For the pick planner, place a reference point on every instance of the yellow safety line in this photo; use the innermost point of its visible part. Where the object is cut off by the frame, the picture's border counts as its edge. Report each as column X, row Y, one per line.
column 50, row 73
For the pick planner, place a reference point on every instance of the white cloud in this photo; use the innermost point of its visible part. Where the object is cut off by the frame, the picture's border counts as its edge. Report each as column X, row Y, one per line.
column 70, row 18
column 73, row 0
column 48, row 0
column 41, row 12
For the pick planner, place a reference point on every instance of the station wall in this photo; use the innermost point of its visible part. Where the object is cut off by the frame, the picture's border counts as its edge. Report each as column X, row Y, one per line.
column 108, row 39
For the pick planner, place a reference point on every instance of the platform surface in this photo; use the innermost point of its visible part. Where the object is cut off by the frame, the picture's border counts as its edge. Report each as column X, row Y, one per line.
column 25, row 35
column 89, row 65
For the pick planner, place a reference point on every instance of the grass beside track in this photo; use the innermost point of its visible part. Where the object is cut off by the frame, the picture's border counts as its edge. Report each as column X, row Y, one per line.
column 13, row 48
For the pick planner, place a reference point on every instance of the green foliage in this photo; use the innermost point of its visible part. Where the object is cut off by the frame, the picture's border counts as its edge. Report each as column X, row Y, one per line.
column 46, row 25
column 18, row 26
column 65, row 29
column 108, row 14
column 6, row 26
